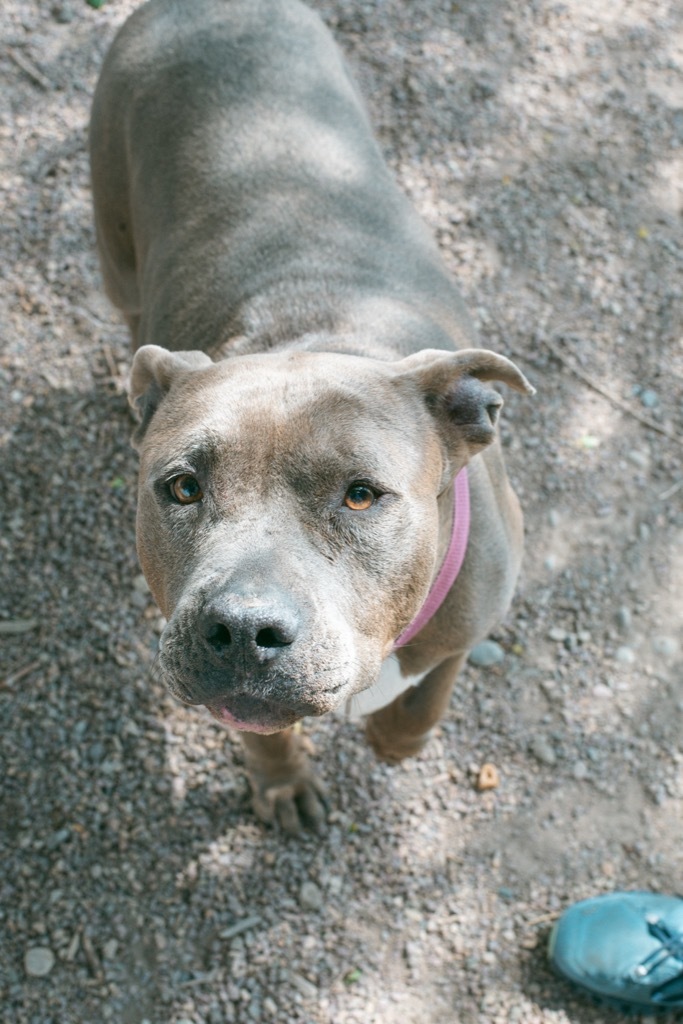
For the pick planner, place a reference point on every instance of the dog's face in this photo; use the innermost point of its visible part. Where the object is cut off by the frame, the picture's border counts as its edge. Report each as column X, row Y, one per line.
column 287, row 520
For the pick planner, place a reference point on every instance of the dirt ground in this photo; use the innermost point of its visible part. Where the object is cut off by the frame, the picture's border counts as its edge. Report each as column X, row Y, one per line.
column 542, row 141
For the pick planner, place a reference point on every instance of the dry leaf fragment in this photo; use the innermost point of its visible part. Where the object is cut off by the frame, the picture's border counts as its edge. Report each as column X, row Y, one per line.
column 488, row 777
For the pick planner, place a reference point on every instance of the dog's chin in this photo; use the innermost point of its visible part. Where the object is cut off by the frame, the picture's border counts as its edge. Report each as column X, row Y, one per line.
column 259, row 716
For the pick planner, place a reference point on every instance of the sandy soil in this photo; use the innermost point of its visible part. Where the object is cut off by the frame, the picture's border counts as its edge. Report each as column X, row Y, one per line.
column 543, row 143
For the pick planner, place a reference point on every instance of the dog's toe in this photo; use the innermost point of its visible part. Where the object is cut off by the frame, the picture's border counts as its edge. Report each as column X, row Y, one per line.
column 292, row 806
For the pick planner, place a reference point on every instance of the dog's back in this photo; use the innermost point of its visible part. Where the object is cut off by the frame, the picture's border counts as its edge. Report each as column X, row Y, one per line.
column 229, row 138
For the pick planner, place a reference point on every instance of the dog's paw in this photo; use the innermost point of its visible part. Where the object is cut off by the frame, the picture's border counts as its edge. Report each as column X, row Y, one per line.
column 292, row 803
column 389, row 746
column 285, row 790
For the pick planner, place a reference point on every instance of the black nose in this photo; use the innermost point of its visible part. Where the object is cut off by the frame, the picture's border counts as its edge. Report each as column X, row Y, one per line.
column 254, row 627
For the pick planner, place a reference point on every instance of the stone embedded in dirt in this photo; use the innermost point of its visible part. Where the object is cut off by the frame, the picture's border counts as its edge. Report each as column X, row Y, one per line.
column 310, row 896
column 649, row 398
column 305, row 987
column 639, row 459
column 62, row 13
column 39, row 961
column 580, row 771
column 557, row 634
column 625, row 655
column 665, row 646
column 543, row 750
column 485, row 654
column 140, row 584
column 624, row 620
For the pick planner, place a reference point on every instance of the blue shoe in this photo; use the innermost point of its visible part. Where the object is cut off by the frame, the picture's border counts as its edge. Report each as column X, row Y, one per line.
column 625, row 948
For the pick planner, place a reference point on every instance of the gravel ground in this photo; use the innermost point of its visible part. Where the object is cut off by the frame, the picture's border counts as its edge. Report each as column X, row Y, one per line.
column 543, row 143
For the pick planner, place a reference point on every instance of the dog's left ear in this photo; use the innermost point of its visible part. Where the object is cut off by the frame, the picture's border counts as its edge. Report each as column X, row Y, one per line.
column 451, row 385
column 153, row 372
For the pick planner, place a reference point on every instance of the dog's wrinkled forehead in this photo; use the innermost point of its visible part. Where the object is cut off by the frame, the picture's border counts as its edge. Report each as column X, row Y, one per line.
column 320, row 415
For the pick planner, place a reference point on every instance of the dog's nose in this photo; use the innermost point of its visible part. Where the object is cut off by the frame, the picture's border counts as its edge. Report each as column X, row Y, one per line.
column 257, row 628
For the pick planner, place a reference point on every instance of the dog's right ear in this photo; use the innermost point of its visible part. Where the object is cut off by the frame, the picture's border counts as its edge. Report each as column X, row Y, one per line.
column 453, row 388
column 153, row 372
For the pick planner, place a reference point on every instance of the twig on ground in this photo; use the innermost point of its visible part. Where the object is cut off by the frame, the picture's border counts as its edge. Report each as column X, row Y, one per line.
column 20, row 673
column 436, row 780
column 91, row 956
column 111, row 365
column 544, row 919
column 670, row 491
column 624, row 406
column 97, row 321
column 29, row 68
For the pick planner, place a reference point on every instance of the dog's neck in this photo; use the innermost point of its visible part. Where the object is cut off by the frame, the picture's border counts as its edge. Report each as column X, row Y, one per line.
column 451, row 562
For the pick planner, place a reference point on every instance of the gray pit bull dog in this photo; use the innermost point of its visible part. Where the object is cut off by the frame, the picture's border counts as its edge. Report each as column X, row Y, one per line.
column 308, row 388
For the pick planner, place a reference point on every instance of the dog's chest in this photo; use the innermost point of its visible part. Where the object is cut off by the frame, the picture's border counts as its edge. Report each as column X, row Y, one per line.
column 389, row 685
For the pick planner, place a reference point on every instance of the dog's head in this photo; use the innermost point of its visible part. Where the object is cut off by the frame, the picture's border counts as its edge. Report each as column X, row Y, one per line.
column 287, row 519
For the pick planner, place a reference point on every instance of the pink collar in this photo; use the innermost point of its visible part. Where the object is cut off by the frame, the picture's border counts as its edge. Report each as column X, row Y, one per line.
column 452, row 563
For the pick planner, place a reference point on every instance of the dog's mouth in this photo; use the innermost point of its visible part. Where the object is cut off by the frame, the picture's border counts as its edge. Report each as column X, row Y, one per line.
column 250, row 714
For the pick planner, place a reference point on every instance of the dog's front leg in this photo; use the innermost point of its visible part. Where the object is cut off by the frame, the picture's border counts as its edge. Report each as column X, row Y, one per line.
column 284, row 787
column 401, row 728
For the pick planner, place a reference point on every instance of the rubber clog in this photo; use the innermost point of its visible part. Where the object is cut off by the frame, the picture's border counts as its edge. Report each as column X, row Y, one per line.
column 625, row 948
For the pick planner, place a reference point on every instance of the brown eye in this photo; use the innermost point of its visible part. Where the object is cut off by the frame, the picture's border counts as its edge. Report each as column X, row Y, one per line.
column 186, row 489
column 359, row 497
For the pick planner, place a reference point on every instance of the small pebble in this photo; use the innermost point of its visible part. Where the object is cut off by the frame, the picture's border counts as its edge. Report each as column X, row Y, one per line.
column 624, row 620
column 310, row 896
column 39, row 961
column 62, row 13
column 543, row 750
column 580, row 771
column 110, row 949
column 639, row 459
column 649, row 398
column 484, row 89
column 485, row 654
column 557, row 634
column 140, row 584
column 305, row 987
column 665, row 646
column 625, row 655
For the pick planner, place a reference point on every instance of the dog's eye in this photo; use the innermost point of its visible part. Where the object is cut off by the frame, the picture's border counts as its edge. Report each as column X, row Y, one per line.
column 186, row 489
column 359, row 497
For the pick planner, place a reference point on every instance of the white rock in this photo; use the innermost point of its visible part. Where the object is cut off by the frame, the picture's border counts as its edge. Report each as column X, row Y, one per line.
column 39, row 961
column 625, row 655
